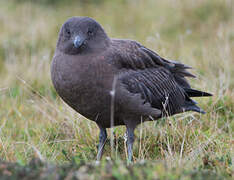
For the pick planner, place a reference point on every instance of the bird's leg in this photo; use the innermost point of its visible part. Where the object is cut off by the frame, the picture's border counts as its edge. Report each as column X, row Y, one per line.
column 102, row 142
column 130, row 141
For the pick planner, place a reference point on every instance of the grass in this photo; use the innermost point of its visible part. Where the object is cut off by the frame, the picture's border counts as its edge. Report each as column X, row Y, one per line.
column 36, row 124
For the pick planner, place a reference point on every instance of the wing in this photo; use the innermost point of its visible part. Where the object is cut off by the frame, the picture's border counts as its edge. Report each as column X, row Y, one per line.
column 159, row 82
column 132, row 55
column 156, row 87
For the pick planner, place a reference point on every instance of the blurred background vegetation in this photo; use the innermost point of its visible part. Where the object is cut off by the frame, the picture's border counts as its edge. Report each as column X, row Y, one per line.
column 35, row 123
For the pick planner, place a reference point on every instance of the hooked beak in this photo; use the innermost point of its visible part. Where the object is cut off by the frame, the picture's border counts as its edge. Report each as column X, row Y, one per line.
column 78, row 41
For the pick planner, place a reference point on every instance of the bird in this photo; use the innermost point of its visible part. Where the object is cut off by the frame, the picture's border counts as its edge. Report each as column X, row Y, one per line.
column 117, row 82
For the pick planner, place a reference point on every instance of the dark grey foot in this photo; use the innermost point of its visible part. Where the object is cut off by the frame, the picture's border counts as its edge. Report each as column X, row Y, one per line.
column 102, row 142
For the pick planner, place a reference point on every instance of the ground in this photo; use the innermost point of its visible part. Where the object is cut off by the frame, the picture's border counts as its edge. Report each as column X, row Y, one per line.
column 40, row 136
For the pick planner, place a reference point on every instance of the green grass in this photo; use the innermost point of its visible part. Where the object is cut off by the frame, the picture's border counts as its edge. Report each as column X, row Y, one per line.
column 36, row 123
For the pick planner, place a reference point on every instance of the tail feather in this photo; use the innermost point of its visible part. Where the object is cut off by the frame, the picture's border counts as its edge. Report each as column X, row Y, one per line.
column 194, row 108
column 190, row 104
column 195, row 93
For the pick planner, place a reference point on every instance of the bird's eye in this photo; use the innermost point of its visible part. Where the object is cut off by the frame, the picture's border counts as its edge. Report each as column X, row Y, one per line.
column 68, row 32
column 90, row 33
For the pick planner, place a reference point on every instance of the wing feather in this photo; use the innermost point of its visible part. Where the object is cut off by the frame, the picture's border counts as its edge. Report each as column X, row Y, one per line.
column 135, row 56
column 160, row 82
column 156, row 87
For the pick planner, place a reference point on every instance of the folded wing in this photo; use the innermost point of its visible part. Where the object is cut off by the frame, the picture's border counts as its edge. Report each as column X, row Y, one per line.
column 160, row 82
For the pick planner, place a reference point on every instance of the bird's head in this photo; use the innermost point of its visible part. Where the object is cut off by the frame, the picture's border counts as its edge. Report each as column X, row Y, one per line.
column 80, row 35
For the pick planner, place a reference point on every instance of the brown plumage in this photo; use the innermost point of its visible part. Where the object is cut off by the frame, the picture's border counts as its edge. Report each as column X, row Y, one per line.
column 94, row 74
